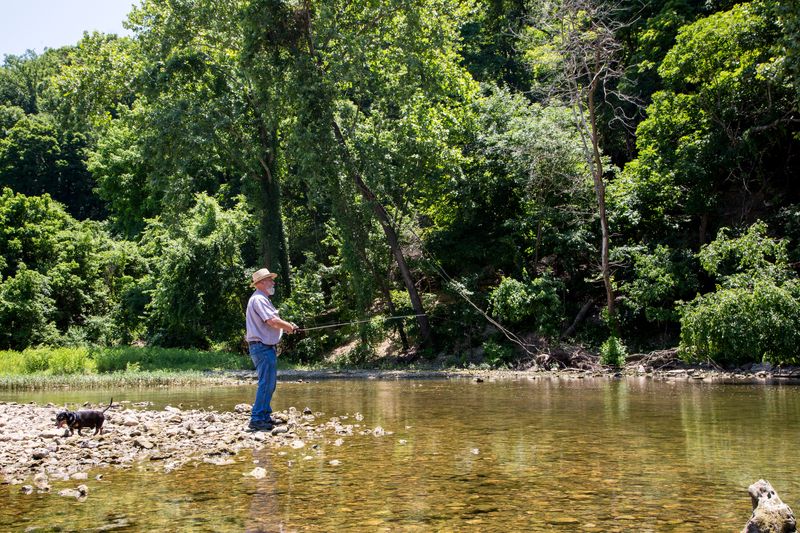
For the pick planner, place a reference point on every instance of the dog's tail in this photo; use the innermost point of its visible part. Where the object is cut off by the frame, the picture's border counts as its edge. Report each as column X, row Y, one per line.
column 109, row 404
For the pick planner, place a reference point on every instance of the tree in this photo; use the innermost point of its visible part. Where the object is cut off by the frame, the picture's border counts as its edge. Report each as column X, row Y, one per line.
column 61, row 275
column 198, row 282
column 198, row 125
column 719, row 142
column 372, row 88
column 755, row 311
column 38, row 157
column 24, row 79
column 576, row 41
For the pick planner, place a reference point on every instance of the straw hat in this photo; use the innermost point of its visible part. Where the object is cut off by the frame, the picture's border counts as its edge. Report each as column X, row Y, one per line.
column 260, row 274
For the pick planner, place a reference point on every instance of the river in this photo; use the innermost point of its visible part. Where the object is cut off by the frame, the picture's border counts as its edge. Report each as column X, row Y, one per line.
column 511, row 454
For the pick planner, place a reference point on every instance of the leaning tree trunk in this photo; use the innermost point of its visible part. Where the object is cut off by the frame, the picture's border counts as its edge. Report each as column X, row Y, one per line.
column 391, row 237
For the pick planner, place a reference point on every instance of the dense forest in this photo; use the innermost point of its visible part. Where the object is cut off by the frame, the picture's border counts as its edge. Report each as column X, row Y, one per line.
column 511, row 175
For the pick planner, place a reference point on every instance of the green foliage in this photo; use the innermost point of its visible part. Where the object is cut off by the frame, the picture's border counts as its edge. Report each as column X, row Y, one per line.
column 613, row 352
column 754, row 314
column 658, row 279
column 311, row 349
column 198, row 283
column 307, row 299
column 523, row 196
column 739, row 325
column 738, row 261
column 497, row 355
column 718, row 130
column 62, row 274
column 81, row 360
column 24, row 79
column 325, row 116
column 26, row 310
column 37, row 157
column 151, row 359
column 60, row 361
column 532, row 301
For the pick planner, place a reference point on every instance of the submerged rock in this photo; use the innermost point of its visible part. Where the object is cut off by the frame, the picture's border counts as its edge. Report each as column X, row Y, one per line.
column 770, row 514
column 258, row 473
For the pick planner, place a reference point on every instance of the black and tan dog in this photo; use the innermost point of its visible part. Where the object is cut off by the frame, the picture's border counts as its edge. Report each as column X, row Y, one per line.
column 82, row 419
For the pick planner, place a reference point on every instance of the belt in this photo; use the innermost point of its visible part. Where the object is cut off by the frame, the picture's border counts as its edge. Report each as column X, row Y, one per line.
column 259, row 342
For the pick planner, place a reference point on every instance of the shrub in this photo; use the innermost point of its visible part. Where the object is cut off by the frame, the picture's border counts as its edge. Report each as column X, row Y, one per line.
column 613, row 352
column 11, row 362
column 65, row 361
column 659, row 278
column 121, row 359
column 755, row 313
column 497, row 355
column 533, row 302
column 59, row 361
column 308, row 350
column 26, row 310
column 35, row 360
column 738, row 325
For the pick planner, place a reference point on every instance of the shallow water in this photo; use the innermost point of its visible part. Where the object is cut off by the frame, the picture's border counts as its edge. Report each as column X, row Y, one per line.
column 513, row 454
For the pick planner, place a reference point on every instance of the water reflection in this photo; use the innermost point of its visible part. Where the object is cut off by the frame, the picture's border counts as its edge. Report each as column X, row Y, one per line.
column 519, row 455
column 264, row 514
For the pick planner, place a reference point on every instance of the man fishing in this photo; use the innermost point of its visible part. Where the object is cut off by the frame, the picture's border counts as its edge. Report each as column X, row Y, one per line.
column 264, row 331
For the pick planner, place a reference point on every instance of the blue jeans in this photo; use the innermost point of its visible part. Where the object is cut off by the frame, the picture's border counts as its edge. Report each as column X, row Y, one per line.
column 266, row 361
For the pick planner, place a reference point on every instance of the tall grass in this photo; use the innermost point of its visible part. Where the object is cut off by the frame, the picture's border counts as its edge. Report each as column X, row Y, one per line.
column 120, row 359
column 51, row 361
column 84, row 367
column 155, row 378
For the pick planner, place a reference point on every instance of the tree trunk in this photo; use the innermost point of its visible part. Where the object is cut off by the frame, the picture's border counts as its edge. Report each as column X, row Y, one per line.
column 274, row 246
column 391, row 237
column 600, row 191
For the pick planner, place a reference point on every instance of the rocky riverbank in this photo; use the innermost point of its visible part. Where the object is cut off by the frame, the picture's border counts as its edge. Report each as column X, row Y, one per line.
column 33, row 452
column 670, row 370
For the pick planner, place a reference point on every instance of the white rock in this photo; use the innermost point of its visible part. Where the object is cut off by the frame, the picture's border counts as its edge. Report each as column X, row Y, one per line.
column 258, row 473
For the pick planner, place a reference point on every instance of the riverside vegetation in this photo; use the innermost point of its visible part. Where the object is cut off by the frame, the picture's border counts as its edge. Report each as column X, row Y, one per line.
column 619, row 184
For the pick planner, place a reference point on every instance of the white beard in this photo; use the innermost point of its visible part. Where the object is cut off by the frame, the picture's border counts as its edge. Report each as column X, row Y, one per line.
column 271, row 291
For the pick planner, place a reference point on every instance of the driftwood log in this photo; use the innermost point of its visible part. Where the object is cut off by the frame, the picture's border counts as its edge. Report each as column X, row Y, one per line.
column 770, row 514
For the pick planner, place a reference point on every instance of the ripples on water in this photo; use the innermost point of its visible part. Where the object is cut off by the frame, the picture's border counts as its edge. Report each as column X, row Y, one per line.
column 507, row 455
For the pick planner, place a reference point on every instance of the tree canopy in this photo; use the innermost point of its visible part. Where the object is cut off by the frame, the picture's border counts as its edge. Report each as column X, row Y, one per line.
column 581, row 171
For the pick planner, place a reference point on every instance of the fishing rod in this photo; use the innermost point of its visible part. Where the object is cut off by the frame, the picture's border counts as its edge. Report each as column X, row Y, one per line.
column 338, row 324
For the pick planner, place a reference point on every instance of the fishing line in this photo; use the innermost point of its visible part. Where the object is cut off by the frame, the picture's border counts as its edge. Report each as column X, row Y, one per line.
column 338, row 324
column 439, row 269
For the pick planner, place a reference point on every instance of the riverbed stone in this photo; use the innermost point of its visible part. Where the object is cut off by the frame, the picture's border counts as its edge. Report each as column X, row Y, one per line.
column 258, row 473
column 144, row 437
column 40, row 453
column 770, row 514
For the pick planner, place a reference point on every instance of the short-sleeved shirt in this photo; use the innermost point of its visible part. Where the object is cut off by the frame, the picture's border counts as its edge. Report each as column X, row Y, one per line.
column 259, row 310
